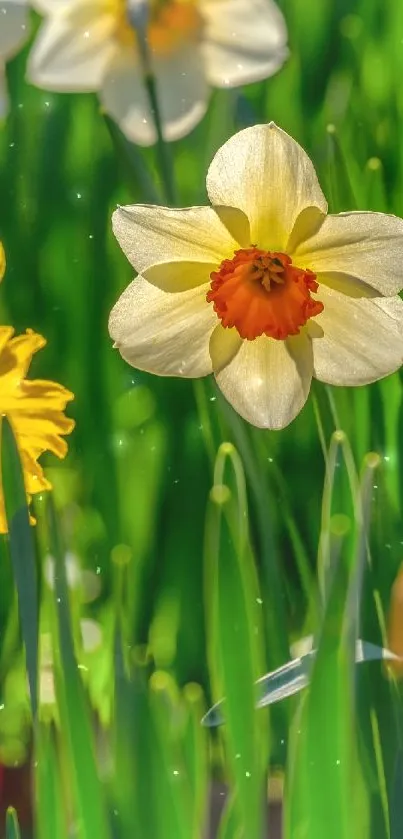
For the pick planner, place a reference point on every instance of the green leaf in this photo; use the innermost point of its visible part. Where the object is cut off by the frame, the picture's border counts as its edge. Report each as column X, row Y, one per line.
column 22, row 551
column 51, row 815
column 75, row 720
column 12, row 826
column 235, row 637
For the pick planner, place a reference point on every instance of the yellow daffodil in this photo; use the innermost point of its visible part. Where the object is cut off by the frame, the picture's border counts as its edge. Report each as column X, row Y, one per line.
column 263, row 289
column 34, row 409
column 13, row 32
column 194, row 44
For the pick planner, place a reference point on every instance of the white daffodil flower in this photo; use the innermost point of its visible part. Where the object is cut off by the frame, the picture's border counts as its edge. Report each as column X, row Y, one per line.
column 86, row 45
column 13, row 32
column 263, row 289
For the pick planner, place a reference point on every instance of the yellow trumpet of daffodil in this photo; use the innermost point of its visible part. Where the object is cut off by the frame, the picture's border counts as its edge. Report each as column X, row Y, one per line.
column 193, row 45
column 13, row 32
column 33, row 407
column 263, row 289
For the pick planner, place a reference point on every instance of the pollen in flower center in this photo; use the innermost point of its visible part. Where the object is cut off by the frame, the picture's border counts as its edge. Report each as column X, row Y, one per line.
column 262, row 293
column 171, row 23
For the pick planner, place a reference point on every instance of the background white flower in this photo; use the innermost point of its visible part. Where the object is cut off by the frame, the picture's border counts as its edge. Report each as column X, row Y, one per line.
column 263, row 288
column 13, row 32
column 86, row 45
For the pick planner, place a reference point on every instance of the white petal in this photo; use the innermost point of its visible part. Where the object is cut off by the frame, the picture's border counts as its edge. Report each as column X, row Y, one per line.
column 365, row 246
column 269, row 177
column 124, row 98
column 73, row 49
column 243, row 41
column 165, row 334
column 267, row 381
column 47, row 7
column 181, row 89
column 153, row 235
column 362, row 338
column 13, row 26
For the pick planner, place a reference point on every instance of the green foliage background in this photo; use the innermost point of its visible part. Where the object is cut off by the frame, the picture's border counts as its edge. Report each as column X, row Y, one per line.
column 133, row 499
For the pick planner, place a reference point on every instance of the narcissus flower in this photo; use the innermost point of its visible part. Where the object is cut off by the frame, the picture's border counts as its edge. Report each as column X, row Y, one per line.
column 263, row 289
column 13, row 32
column 34, row 409
column 193, row 44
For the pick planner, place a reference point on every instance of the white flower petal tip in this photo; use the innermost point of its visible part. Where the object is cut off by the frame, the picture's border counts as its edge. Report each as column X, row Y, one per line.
column 362, row 339
column 266, row 381
column 150, row 236
column 162, row 333
column 359, row 247
column 266, row 174
column 243, row 42
column 294, row 676
column 72, row 50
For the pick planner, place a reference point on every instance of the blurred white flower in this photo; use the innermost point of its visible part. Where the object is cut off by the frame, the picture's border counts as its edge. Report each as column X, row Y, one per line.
column 86, row 580
column 263, row 288
column 91, row 634
column 86, row 45
column 91, row 640
column 13, row 32
column 72, row 569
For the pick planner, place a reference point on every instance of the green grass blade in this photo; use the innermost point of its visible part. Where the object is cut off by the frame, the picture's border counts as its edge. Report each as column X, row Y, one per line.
column 12, row 826
column 196, row 758
column 51, row 816
column 229, row 827
column 324, row 764
column 22, row 552
column 235, row 638
column 87, row 792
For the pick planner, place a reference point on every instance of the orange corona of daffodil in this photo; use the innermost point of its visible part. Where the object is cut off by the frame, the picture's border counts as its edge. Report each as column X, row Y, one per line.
column 264, row 288
column 33, row 407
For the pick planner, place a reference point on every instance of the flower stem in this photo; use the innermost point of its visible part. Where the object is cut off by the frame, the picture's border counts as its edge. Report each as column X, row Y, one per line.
column 164, row 154
column 139, row 14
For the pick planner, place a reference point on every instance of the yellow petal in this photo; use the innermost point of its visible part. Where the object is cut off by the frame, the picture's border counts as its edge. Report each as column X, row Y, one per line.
column 267, row 382
column 243, row 41
column 6, row 332
column 364, row 246
column 34, row 409
column 164, row 333
column 362, row 338
column 224, row 346
column 179, row 276
column 268, row 176
column 17, row 357
column 154, row 235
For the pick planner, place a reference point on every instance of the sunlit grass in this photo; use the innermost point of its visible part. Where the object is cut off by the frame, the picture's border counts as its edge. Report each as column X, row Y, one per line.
column 216, row 546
